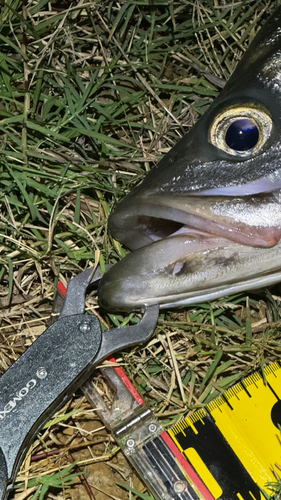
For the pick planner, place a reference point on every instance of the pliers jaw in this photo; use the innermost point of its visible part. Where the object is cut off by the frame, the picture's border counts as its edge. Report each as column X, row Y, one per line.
column 115, row 339
column 74, row 302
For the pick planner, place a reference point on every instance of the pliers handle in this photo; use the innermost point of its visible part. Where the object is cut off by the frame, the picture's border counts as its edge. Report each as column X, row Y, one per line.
column 52, row 368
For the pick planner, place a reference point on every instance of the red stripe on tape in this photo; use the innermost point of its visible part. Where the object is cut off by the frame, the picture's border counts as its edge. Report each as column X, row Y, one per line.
column 127, row 381
column 186, row 465
column 61, row 288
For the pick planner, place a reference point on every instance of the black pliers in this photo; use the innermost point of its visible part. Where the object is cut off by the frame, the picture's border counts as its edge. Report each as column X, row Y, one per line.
column 56, row 364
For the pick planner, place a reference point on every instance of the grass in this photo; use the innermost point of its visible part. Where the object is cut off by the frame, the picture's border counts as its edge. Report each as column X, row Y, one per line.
column 93, row 94
column 61, row 480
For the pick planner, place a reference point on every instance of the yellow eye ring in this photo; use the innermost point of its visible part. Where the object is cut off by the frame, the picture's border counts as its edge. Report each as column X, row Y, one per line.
column 259, row 127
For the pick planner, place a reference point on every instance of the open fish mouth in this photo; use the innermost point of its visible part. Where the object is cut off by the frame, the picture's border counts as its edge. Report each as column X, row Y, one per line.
column 249, row 220
column 206, row 221
column 193, row 248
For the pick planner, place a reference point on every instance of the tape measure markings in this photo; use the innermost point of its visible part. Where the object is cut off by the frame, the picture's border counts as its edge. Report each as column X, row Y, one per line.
column 219, row 458
column 243, row 386
column 236, row 437
column 194, row 479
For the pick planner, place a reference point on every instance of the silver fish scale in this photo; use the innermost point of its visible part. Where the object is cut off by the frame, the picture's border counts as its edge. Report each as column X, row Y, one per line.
column 263, row 215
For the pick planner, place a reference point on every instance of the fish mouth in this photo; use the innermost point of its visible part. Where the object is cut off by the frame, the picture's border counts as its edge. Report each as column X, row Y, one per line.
column 249, row 220
column 192, row 248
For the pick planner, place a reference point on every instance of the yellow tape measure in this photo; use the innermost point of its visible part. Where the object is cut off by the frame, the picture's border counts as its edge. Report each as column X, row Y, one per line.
column 234, row 442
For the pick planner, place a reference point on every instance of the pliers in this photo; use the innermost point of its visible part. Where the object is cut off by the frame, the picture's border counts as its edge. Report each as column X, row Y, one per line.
column 53, row 367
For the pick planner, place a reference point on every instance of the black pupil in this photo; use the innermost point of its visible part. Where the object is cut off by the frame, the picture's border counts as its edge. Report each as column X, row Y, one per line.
column 242, row 135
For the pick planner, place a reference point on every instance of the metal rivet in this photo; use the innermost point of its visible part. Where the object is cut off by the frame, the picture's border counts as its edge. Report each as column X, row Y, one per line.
column 130, row 443
column 179, row 486
column 42, row 372
column 152, row 427
column 84, row 327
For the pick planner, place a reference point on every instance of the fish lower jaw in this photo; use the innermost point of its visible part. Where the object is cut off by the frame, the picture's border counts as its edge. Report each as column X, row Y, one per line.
column 209, row 294
column 118, row 297
column 180, row 271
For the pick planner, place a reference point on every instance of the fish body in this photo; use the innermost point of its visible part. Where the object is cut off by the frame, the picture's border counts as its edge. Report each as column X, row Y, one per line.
column 206, row 221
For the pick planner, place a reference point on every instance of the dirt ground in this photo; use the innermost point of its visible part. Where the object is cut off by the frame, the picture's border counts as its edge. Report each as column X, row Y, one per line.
column 83, row 439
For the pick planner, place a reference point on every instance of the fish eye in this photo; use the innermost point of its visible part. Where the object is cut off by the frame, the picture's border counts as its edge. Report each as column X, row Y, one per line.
column 241, row 131
column 242, row 135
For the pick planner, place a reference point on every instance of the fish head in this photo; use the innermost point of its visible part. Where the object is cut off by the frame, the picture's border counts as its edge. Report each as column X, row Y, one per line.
column 207, row 220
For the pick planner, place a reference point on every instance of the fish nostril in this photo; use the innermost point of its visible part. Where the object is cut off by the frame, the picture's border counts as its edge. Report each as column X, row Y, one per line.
column 242, row 135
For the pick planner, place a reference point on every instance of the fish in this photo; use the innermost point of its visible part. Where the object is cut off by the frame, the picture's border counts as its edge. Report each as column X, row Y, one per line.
column 206, row 221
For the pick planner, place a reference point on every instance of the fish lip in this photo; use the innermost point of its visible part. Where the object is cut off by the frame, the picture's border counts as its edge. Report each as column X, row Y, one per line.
column 145, row 276
column 144, row 211
column 119, row 302
column 126, row 285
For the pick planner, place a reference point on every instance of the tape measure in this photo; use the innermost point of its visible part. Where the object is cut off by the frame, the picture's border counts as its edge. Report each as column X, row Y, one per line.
column 233, row 443
column 226, row 451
